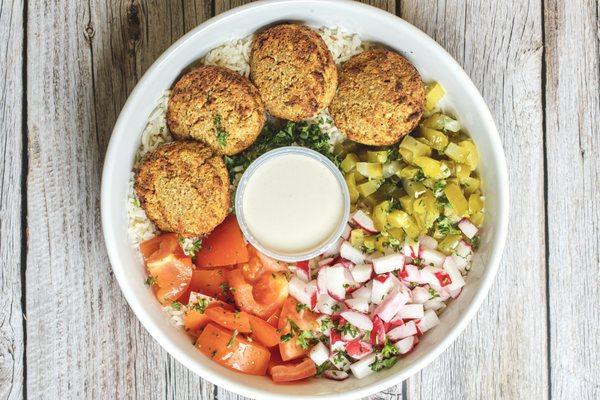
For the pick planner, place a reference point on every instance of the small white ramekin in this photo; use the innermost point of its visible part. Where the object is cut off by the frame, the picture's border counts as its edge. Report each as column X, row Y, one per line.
column 239, row 203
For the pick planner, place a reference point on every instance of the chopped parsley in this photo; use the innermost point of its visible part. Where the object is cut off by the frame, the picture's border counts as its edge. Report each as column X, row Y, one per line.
column 151, row 280
column 300, row 307
column 303, row 338
column 335, row 308
column 176, row 305
column 305, row 134
column 438, row 188
column 474, row 241
column 433, row 293
column 326, row 323
column 232, row 339
column 213, row 354
column 324, row 367
column 419, row 176
column 220, row 132
column 286, row 338
column 386, row 357
column 348, row 329
column 201, row 305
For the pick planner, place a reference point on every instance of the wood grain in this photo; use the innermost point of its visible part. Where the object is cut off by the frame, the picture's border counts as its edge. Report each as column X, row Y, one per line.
column 503, row 352
column 572, row 34
column 84, row 342
column 11, row 179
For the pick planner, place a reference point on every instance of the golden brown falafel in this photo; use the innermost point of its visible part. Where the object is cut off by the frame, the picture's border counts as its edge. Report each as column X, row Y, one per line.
column 380, row 98
column 184, row 188
column 293, row 70
column 218, row 107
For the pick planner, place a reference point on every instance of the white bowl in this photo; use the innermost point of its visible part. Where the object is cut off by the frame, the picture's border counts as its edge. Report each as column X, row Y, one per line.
column 433, row 62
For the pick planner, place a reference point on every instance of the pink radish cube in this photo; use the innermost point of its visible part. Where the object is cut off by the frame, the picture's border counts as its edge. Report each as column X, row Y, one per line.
column 362, row 272
column 467, row 228
column 361, row 368
column 390, row 306
column 335, row 375
column 350, row 253
column 359, row 320
column 389, row 263
column 420, row 295
column 411, row 311
column 455, row 275
column 359, row 304
column 427, row 242
column 432, row 257
column 428, row 321
column 403, row 331
column 405, row 345
column 364, row 221
column 381, row 287
column 363, row 292
column 358, row 349
column 319, row 353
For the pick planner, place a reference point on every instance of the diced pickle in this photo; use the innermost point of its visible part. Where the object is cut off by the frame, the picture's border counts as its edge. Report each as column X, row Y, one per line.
column 400, row 219
column 391, row 168
column 408, row 172
column 412, row 188
column 378, row 156
column 462, row 171
column 380, row 212
column 351, row 182
column 475, row 203
column 349, row 162
column 432, row 168
column 397, row 233
column 434, row 93
column 448, row 244
column 456, row 152
column 369, row 187
column 381, row 243
column 411, row 148
column 457, row 199
column 357, row 237
column 358, row 177
column 440, row 121
column 369, row 243
column 425, row 210
column 347, row 146
column 472, row 158
column 471, row 185
column 407, row 204
column 370, row 170
column 438, row 140
column 477, row 218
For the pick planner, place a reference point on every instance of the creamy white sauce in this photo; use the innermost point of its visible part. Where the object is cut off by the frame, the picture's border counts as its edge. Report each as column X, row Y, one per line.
column 292, row 204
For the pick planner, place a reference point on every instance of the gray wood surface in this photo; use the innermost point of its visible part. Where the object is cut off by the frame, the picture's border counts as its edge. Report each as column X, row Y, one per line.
column 68, row 67
column 572, row 92
column 11, row 184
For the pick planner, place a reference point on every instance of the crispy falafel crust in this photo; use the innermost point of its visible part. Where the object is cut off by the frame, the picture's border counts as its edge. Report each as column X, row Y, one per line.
column 184, row 188
column 380, row 98
column 293, row 70
column 209, row 99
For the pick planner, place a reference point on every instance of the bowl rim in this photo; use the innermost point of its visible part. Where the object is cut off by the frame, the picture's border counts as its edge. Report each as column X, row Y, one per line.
column 486, row 280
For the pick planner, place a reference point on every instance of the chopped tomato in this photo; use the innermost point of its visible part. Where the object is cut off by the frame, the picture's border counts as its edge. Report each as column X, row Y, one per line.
column 264, row 332
column 274, row 318
column 234, row 320
column 210, row 282
column 306, row 320
column 261, row 298
column 233, row 351
column 294, row 372
column 259, row 264
column 223, row 246
column 195, row 317
column 150, row 246
column 170, row 269
column 274, row 361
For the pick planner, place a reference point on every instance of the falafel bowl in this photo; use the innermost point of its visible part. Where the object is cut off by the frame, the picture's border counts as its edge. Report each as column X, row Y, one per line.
column 334, row 266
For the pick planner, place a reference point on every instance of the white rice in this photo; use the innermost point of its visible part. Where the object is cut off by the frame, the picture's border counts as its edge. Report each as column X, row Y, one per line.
column 234, row 55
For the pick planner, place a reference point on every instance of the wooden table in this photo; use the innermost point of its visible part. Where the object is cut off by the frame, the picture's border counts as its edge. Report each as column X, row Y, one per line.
column 67, row 67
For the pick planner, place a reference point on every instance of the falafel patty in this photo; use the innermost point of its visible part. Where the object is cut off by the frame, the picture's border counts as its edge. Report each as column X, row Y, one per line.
column 218, row 107
column 293, row 70
column 184, row 188
column 380, row 98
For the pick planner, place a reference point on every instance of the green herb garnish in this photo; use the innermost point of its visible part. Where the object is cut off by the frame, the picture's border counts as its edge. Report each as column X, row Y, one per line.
column 300, row 307
column 151, row 280
column 176, row 305
column 419, row 176
column 201, row 305
column 220, row 133
column 386, row 357
column 445, row 227
column 232, row 339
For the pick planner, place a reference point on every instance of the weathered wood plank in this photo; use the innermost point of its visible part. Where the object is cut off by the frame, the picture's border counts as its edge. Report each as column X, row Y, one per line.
column 88, row 58
column 11, row 175
column 503, row 352
column 572, row 37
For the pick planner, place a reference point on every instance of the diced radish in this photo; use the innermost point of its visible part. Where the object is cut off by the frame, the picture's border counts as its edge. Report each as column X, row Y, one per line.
column 350, row 253
column 335, row 375
column 361, row 368
column 411, row 273
column 298, row 290
column 403, row 331
column 313, row 292
column 351, row 335
column 411, row 249
column 464, row 250
column 340, row 361
column 358, row 304
column 381, row 286
column 467, row 228
column 390, row 306
column 319, row 353
column 455, row 293
column 303, row 270
column 324, row 324
column 428, row 321
column 461, row 263
column 364, row 221
column 444, row 293
column 359, row 320
column 346, row 232
column 362, row 272
column 377, row 336
column 335, row 341
column 325, row 303
column 358, row 349
column 325, row 261
column 349, row 283
column 411, row 311
column 343, row 262
column 334, row 250
column 405, row 345
column 364, row 292
column 435, row 277
column 420, row 295
column 388, row 263
column 335, row 279
column 434, row 304
column 427, row 242
column 454, row 273
column 396, row 321
column 432, row 257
